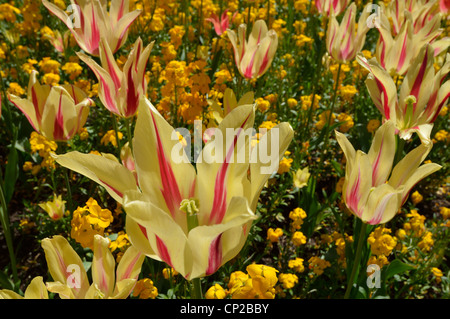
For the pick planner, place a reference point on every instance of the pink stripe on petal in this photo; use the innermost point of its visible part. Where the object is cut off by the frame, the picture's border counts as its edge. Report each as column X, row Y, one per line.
column 163, row 253
column 219, row 206
column 170, row 190
column 113, row 189
column 353, row 197
column 376, row 165
column 129, row 270
column 58, row 132
column 36, row 104
column 215, row 255
column 419, row 79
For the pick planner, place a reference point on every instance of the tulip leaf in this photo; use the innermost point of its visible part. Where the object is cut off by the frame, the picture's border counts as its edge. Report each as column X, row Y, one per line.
column 11, row 174
column 396, row 267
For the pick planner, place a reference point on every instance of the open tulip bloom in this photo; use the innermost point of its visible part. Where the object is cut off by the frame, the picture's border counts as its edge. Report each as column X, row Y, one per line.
column 220, row 25
column 70, row 277
column 344, row 41
column 90, row 22
column 120, row 91
column 327, row 7
column 193, row 218
column 57, row 112
column 422, row 95
column 253, row 57
column 373, row 190
column 396, row 54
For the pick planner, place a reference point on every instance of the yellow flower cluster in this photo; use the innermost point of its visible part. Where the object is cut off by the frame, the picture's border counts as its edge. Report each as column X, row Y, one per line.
column 297, row 215
column 88, row 221
column 273, row 235
column 258, row 283
column 50, row 68
column 44, row 147
column 145, row 289
column 347, row 122
column 110, row 137
column 297, row 264
column 318, row 265
column 381, row 245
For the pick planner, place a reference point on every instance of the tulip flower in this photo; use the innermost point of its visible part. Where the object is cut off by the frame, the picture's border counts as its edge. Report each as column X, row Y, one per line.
column 396, row 54
column 253, row 57
column 373, row 190
column 344, row 41
column 229, row 103
column 195, row 220
column 56, row 208
column 444, row 5
column 327, row 7
column 220, row 25
column 35, row 290
column 90, row 22
column 422, row 95
column 57, row 112
column 120, row 91
column 71, row 281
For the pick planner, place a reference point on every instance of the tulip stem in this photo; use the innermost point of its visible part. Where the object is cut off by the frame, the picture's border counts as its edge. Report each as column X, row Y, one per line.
column 130, row 139
column 196, row 289
column 4, row 218
column 116, row 130
column 69, row 190
column 356, row 265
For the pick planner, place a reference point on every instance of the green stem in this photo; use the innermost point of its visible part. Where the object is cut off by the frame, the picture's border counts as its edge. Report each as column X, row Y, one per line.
column 4, row 217
column 116, row 130
column 399, row 150
column 196, row 289
column 356, row 265
column 69, row 189
column 130, row 138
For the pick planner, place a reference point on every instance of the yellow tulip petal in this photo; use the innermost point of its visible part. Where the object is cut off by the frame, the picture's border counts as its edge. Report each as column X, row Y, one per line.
column 103, row 266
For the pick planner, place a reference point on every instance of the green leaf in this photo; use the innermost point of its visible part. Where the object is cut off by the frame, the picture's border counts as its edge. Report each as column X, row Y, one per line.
column 11, row 173
column 396, row 267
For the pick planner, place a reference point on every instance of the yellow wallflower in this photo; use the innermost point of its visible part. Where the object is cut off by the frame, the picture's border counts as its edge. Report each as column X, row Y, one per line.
column 318, row 265
column 285, row 165
column 8, row 12
column 381, row 243
column 47, row 65
column 291, row 102
column 297, row 215
column 82, row 230
column 72, row 69
column 442, row 136
column 296, row 264
column 110, row 137
column 145, row 289
column 216, row 292
column 437, row 273
column 324, row 118
column 347, row 122
column 427, row 242
column 274, row 234
column 288, row 280
column 373, row 125
column 347, row 92
column 416, row 197
column 121, row 241
column 298, row 238
column 51, row 79
column 15, row 89
column 97, row 215
column 445, row 212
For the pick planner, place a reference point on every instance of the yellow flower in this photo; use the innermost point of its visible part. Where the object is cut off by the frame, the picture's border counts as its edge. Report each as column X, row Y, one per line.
column 120, row 242
column 145, row 289
column 296, row 264
column 288, row 280
column 285, row 165
column 274, row 235
column 73, row 69
column 82, row 230
column 169, row 272
column 216, row 292
column 381, row 243
column 110, row 137
column 324, row 119
column 301, row 177
column 318, row 265
column 347, row 122
column 97, row 215
column 297, row 215
column 347, row 92
column 437, row 273
column 56, row 208
column 416, row 197
column 8, row 12
column 442, row 136
column 15, row 89
column 427, row 242
column 445, row 212
column 298, row 238
column 51, row 79
column 262, row 104
column 47, row 65
column 291, row 102
column 373, row 125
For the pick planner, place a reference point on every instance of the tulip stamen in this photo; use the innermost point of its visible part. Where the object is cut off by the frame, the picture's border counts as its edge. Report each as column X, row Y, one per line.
column 190, row 208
